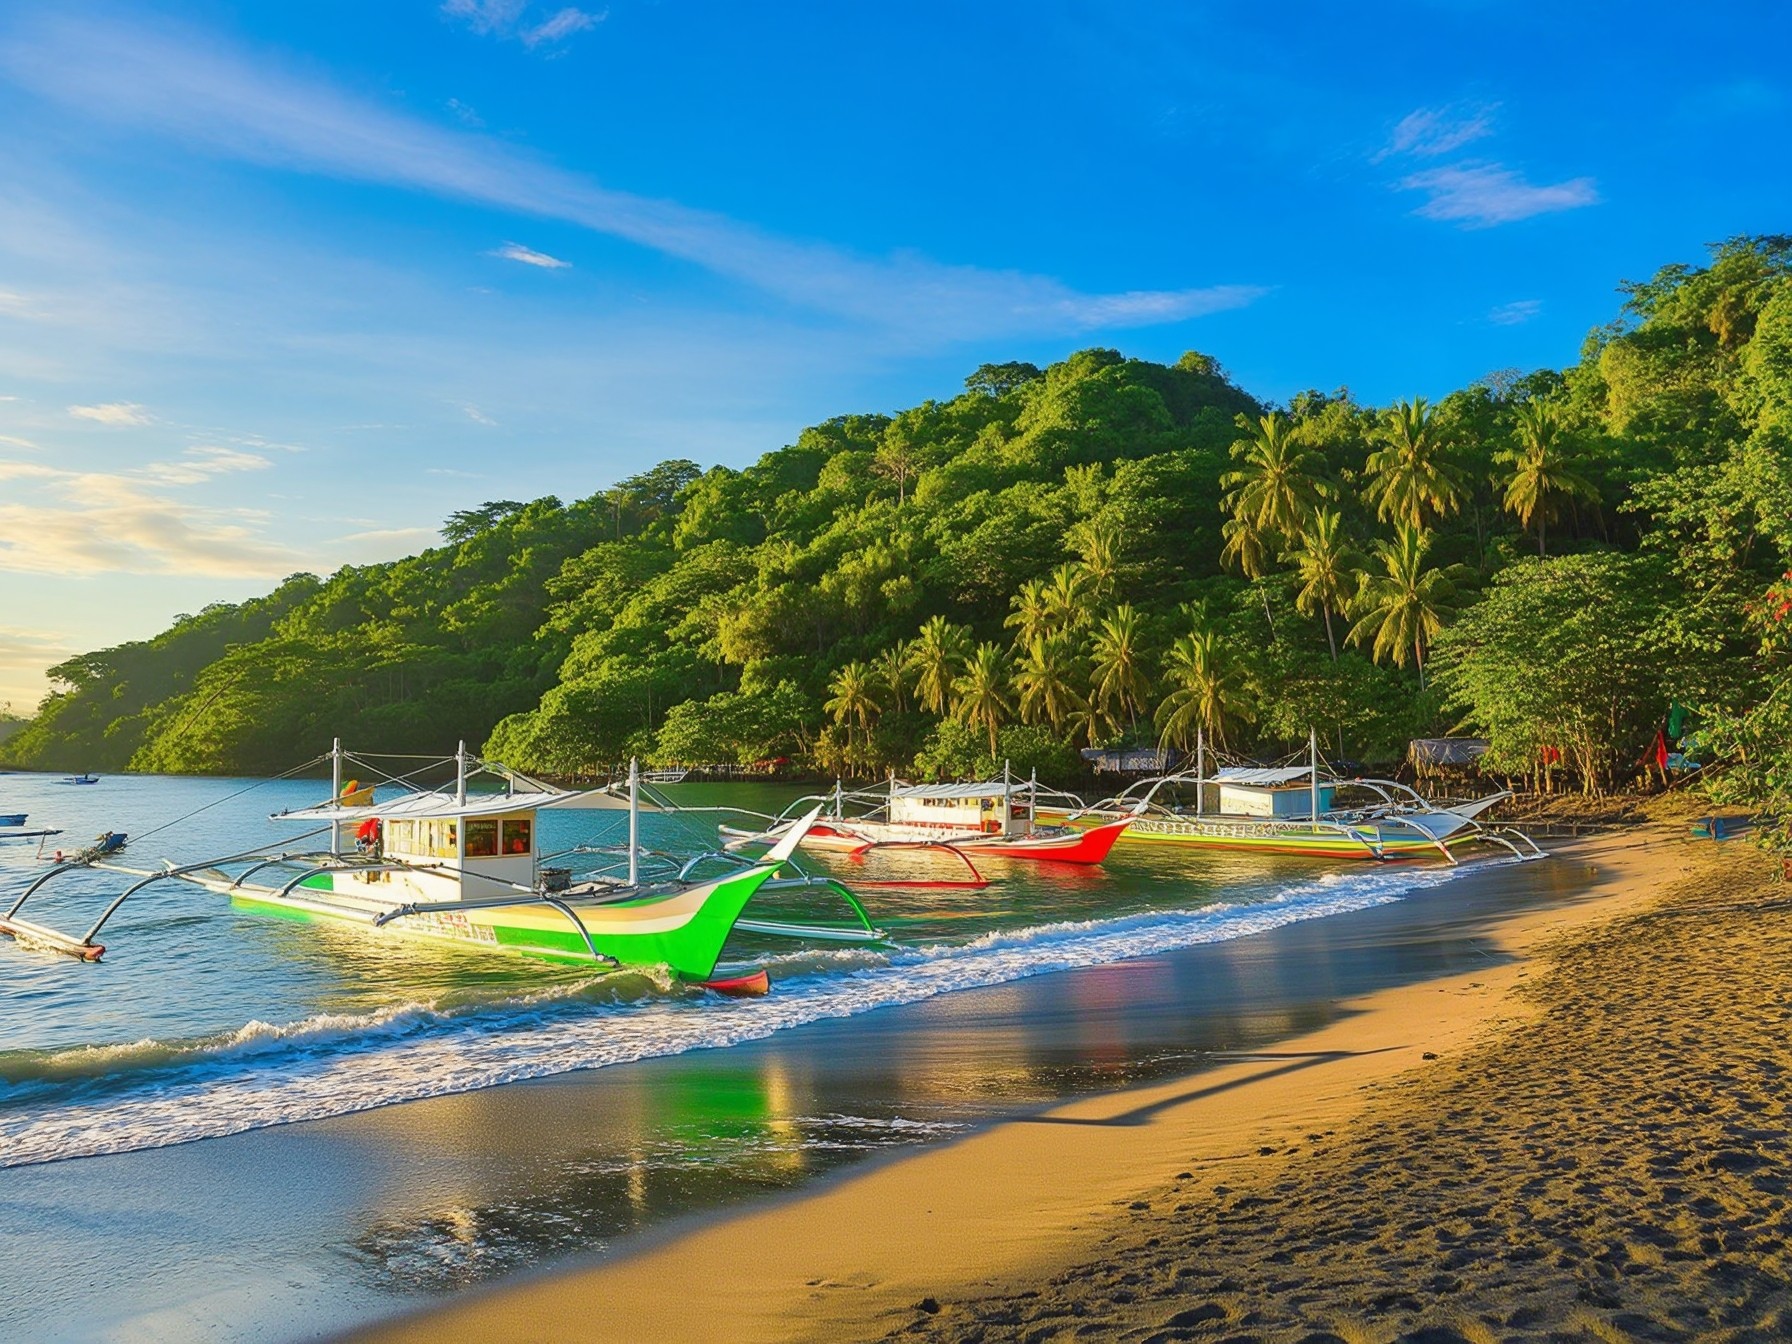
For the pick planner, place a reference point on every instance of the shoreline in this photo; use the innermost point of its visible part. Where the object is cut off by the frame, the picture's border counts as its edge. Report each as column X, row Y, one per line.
column 854, row 1257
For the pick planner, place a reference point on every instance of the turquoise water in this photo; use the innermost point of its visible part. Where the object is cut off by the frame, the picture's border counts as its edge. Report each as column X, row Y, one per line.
column 203, row 1021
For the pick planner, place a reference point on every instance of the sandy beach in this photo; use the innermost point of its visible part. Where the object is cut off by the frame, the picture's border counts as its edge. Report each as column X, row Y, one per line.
column 1587, row 1138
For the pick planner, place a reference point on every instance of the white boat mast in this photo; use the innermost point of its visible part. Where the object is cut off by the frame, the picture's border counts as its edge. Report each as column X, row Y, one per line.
column 460, row 775
column 1200, row 769
column 1033, row 801
column 634, row 821
column 336, row 793
column 1313, row 770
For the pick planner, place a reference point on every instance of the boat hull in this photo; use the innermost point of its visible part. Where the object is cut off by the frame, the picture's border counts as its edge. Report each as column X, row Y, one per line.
column 1085, row 845
column 683, row 930
column 1367, row 841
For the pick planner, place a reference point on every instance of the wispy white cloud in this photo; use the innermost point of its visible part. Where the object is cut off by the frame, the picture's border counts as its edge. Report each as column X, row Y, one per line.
column 200, row 464
column 529, row 257
column 86, row 522
column 217, row 98
column 1428, row 132
column 1480, row 195
column 95, row 522
column 512, row 19
column 468, row 116
column 486, row 16
column 561, row 25
column 22, row 307
column 1516, row 313
column 112, row 413
column 13, row 441
column 390, row 540
column 477, row 416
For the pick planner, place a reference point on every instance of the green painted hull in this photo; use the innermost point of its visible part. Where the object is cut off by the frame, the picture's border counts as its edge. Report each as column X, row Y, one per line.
column 684, row 930
column 1287, row 837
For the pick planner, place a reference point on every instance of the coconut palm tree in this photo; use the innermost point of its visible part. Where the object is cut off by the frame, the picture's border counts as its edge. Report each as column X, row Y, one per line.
column 1327, row 566
column 1410, row 475
column 1402, row 608
column 1543, row 476
column 1278, row 479
column 1032, row 616
column 1207, row 691
column 938, row 651
column 980, row 695
column 1117, row 673
column 1067, row 596
column 889, row 673
column 1046, row 679
column 853, row 701
column 1101, row 545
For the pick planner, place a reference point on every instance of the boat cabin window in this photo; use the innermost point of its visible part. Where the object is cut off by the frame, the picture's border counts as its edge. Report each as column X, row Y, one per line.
column 482, row 839
column 436, row 839
column 518, row 838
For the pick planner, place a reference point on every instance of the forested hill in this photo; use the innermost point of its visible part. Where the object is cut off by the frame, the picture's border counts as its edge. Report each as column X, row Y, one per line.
column 1107, row 550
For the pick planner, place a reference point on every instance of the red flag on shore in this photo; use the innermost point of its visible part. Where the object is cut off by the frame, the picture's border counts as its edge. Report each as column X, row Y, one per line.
column 1658, row 755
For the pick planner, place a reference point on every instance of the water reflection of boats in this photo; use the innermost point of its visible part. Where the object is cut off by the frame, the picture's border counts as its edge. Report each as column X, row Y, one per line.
column 1303, row 809
column 462, row 865
column 988, row 818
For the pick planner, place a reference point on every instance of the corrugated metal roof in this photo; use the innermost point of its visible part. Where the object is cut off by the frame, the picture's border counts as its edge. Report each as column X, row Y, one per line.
column 1264, row 776
column 437, row 805
column 987, row 789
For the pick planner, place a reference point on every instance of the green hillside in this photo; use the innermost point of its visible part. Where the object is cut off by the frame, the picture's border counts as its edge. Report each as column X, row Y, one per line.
column 1107, row 550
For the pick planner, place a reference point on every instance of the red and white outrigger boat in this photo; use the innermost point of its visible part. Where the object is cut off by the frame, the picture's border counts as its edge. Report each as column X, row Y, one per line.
column 990, row 819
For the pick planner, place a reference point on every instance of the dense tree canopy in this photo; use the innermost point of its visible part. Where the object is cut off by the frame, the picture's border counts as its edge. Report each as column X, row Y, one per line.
column 1105, row 550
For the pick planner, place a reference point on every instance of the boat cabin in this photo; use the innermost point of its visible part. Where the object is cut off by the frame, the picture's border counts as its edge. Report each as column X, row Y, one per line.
column 453, row 848
column 1280, row 793
column 988, row 808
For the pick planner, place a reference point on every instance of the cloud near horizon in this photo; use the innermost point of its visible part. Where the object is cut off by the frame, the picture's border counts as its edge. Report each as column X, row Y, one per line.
column 112, row 413
column 215, row 97
column 119, row 522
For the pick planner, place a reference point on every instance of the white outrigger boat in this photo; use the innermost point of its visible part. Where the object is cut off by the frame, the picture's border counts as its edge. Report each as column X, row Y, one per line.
column 988, row 819
column 462, row 866
column 1295, row 809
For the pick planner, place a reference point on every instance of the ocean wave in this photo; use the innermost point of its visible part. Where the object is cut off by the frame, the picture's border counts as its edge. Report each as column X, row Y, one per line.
column 335, row 1064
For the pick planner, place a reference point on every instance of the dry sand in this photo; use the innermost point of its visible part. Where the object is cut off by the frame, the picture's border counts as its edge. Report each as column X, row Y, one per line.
column 1586, row 1141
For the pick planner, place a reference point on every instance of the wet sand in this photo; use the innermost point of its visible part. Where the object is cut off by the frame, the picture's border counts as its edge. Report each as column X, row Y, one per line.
column 1586, row 1139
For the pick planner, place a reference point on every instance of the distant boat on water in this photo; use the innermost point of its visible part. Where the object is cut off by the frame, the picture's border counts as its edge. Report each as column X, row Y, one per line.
column 82, row 779
column 12, row 818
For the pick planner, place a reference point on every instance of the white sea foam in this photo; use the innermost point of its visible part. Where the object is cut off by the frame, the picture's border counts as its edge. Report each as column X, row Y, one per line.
column 266, row 1075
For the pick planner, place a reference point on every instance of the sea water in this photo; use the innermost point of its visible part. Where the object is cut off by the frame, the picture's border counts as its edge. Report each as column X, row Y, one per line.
column 149, row 1164
column 203, row 1020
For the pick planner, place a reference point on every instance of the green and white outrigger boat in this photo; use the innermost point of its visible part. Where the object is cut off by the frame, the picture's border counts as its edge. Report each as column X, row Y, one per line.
column 461, row 865
column 1297, row 809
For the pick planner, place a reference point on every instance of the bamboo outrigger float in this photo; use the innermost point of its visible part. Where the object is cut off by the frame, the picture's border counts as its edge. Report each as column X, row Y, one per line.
column 1293, row 809
column 463, row 867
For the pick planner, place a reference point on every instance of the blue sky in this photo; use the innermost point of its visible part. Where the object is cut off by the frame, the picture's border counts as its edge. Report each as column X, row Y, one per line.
column 281, row 286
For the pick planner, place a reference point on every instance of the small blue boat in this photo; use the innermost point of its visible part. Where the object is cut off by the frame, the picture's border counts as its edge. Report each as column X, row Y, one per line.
column 82, row 779
column 12, row 818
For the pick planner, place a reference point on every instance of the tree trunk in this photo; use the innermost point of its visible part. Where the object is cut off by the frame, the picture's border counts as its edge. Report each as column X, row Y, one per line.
column 1330, row 638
